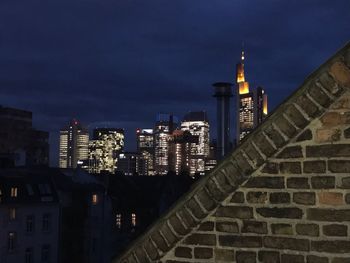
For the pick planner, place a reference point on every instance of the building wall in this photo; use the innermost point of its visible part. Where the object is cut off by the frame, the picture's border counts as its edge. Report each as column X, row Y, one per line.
column 295, row 208
column 35, row 240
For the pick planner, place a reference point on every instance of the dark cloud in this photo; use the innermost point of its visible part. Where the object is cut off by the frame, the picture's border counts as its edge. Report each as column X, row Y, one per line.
column 124, row 61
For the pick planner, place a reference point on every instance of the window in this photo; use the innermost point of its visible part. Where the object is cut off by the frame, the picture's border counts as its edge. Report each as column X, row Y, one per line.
column 29, row 255
column 46, row 222
column 133, row 219
column 30, row 223
column 118, row 221
column 13, row 191
column 12, row 212
column 45, row 253
column 11, row 241
column 94, row 199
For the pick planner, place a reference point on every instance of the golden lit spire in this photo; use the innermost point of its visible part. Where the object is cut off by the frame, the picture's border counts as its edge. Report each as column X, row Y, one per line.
column 240, row 78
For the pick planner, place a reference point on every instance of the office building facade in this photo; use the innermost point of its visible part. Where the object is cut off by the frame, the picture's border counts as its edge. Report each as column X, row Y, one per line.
column 145, row 146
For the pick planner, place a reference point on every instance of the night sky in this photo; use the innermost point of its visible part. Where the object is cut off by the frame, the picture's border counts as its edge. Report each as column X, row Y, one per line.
column 121, row 62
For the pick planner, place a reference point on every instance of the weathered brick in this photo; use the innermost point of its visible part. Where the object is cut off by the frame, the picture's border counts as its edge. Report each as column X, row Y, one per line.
column 195, row 208
column 201, row 239
column 228, row 227
column 224, row 255
column 282, row 229
column 316, row 259
column 159, row 241
column 304, row 136
column 206, row 226
column 289, row 258
column 270, row 168
column 276, row 212
column 332, row 246
column 178, row 226
column 257, row 227
column 285, row 126
column 205, row 199
column 295, row 116
column 323, row 182
column 256, row 197
column 243, row 163
column 183, row 252
column 304, row 198
column 347, row 198
column 168, row 234
column 225, row 184
column 291, row 152
column 327, row 135
column 233, row 174
column 328, row 150
column 203, row 252
column 214, row 190
column 188, row 220
column 275, row 136
column 245, row 257
column 141, row 255
column 272, row 182
column 151, row 250
column 347, row 133
column 328, row 83
column 314, row 167
column 341, row 260
column 240, row 241
column 286, row 243
column 330, row 198
column 331, row 215
column 237, row 197
column 319, row 95
column 253, row 154
column 335, row 230
column 131, row 258
column 298, row 183
column 269, row 256
column 339, row 166
column 279, row 198
column 242, row 212
column 341, row 73
column 331, row 119
column 343, row 103
column 308, row 106
column 307, row 229
column 290, row 167
column 264, row 145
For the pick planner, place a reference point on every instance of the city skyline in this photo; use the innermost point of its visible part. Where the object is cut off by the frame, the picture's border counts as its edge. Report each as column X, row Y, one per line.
column 87, row 69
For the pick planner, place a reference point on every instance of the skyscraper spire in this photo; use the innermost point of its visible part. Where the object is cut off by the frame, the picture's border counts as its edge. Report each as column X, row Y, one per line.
column 240, row 78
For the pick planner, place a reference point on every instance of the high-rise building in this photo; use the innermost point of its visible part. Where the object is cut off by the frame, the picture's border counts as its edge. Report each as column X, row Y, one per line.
column 145, row 146
column 131, row 163
column 20, row 143
column 163, row 128
column 223, row 93
column 104, row 149
column 74, row 142
column 251, row 107
column 197, row 124
column 183, row 148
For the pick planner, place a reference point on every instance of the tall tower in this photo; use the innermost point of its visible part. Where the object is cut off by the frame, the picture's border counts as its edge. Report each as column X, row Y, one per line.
column 223, row 93
column 251, row 106
column 74, row 143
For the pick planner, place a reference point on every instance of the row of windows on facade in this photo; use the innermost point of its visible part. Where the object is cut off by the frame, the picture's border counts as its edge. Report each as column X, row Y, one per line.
column 29, row 252
column 118, row 220
column 30, row 221
column 44, row 189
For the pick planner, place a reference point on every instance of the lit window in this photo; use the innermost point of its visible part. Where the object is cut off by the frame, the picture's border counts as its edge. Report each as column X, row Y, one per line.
column 12, row 213
column 29, row 255
column 118, row 221
column 94, row 199
column 13, row 191
column 133, row 219
column 11, row 241
column 30, row 224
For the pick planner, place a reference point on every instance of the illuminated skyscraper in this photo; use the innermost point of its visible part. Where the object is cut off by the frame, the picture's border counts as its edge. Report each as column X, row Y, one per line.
column 251, row 105
column 164, row 127
column 74, row 142
column 183, row 148
column 104, row 149
column 145, row 146
column 197, row 124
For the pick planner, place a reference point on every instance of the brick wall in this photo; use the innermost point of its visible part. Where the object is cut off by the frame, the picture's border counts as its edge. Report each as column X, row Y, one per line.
column 296, row 208
column 282, row 196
